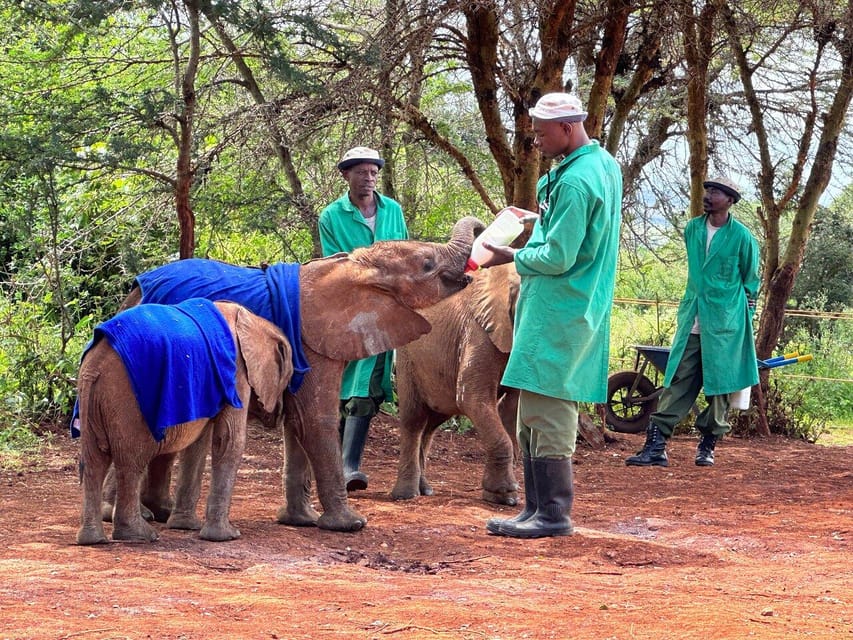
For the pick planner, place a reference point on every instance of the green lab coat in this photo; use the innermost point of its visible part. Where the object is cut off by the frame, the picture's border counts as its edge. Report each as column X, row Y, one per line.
column 561, row 339
column 719, row 287
column 343, row 229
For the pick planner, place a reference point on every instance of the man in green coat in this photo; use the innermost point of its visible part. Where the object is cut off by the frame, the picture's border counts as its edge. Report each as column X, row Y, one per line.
column 359, row 218
column 561, row 339
column 713, row 346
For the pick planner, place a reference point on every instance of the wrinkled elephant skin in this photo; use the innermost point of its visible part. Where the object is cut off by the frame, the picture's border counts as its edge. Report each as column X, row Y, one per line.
column 114, row 430
column 456, row 370
column 352, row 306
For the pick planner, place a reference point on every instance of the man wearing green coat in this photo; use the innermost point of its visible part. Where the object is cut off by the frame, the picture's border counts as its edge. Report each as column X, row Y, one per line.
column 713, row 346
column 561, row 339
column 359, row 218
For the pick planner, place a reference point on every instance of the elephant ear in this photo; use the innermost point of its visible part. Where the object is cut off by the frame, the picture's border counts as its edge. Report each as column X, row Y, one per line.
column 267, row 354
column 348, row 312
column 494, row 292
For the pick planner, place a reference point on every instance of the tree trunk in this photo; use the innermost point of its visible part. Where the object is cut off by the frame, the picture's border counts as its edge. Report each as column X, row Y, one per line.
column 613, row 40
column 186, row 121
column 697, row 52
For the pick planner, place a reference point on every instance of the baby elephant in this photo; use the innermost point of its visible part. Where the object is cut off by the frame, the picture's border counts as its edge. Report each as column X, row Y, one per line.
column 456, row 369
column 159, row 379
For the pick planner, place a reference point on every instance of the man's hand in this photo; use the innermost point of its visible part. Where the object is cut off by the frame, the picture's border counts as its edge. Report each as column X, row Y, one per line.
column 502, row 255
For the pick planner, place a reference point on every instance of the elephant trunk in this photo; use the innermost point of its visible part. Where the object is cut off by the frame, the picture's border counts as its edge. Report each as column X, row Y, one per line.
column 458, row 247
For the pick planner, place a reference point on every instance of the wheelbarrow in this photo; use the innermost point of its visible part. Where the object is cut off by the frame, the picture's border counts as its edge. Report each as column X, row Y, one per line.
column 632, row 396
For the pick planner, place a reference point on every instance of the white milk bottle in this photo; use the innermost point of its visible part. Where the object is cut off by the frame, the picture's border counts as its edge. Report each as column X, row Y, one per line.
column 506, row 227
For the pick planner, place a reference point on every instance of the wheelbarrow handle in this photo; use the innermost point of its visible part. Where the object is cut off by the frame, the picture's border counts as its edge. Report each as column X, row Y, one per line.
column 775, row 362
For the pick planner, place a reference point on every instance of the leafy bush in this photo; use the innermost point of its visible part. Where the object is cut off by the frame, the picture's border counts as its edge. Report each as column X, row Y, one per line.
column 788, row 414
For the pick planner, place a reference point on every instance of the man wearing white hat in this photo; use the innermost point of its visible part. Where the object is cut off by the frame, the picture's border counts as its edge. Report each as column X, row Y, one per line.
column 561, row 339
column 359, row 218
column 713, row 347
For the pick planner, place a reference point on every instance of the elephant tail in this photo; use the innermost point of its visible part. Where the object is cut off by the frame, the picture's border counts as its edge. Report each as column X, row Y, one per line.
column 86, row 402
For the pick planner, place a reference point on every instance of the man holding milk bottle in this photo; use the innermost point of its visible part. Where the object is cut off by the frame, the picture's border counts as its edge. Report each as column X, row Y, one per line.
column 561, row 340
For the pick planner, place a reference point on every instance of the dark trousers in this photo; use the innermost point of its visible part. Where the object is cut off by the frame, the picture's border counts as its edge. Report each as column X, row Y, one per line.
column 678, row 398
column 359, row 407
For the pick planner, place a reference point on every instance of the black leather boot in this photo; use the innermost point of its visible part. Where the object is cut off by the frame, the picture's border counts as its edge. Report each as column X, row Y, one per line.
column 705, row 450
column 494, row 524
column 554, row 487
column 352, row 446
column 653, row 453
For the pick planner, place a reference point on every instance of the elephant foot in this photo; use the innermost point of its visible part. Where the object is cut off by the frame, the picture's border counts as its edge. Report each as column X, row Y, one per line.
column 501, row 497
column 345, row 520
column 107, row 513
column 148, row 515
column 91, row 535
column 305, row 516
column 156, row 512
column 219, row 532
column 186, row 521
column 425, row 487
column 142, row 531
column 404, row 492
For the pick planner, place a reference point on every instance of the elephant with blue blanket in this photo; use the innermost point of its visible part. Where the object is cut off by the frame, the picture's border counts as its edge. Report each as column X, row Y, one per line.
column 350, row 306
column 157, row 380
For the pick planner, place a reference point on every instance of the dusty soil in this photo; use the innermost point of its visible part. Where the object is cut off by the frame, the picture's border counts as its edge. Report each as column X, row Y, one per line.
column 758, row 546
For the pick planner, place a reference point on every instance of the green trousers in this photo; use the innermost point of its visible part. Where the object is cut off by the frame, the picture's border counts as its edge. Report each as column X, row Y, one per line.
column 678, row 398
column 546, row 427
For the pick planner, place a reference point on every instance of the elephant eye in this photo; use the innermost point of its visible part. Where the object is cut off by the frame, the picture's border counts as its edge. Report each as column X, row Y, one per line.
column 429, row 265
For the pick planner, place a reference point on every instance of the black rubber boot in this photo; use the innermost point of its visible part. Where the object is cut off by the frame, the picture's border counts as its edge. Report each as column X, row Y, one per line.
column 552, row 481
column 352, row 446
column 494, row 524
column 653, row 453
column 705, row 450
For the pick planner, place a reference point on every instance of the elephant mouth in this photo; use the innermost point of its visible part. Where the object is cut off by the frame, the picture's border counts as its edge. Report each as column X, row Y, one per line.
column 457, row 282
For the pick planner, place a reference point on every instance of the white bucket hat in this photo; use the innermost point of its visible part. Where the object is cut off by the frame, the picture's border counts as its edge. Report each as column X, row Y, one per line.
column 357, row 155
column 562, row 107
column 725, row 185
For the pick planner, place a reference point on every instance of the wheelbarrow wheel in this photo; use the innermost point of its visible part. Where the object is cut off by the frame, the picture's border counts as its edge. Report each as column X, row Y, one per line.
column 629, row 411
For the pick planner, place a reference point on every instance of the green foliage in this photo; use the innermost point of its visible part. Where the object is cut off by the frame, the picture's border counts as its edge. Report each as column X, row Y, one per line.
column 644, row 276
column 18, row 442
column 829, row 342
column 789, row 413
column 92, row 110
column 824, row 280
column 37, row 368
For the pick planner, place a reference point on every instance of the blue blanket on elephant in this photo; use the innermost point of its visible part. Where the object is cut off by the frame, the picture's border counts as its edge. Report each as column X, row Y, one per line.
column 271, row 293
column 181, row 360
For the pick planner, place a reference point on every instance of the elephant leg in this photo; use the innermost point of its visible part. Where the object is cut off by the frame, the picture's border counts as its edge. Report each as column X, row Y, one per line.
column 188, row 487
column 508, row 412
column 128, row 523
column 108, row 502
column 413, row 424
column 93, row 466
column 297, row 511
column 226, row 452
column 499, row 483
column 312, row 416
column 324, row 454
column 156, row 486
column 434, row 423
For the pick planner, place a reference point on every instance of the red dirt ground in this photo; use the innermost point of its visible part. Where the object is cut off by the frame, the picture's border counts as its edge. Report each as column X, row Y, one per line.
column 758, row 546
